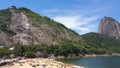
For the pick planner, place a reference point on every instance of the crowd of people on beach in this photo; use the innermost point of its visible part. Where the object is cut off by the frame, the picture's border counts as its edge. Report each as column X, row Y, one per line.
column 34, row 63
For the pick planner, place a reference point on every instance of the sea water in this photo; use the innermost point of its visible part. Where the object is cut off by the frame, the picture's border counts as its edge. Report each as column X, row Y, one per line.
column 95, row 62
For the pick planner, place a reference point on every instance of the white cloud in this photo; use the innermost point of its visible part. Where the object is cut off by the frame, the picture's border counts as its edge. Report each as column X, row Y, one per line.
column 70, row 22
column 78, row 23
column 82, row 21
column 101, row 9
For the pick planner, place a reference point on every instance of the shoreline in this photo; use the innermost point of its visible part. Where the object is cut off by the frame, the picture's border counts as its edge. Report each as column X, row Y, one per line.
column 88, row 55
column 101, row 55
column 50, row 62
column 38, row 63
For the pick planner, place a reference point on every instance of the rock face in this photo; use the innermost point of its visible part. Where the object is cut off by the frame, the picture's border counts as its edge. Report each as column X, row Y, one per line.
column 4, row 38
column 21, row 25
column 110, row 27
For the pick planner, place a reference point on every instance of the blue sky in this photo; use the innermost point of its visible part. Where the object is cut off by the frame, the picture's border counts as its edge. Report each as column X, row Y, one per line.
column 82, row 16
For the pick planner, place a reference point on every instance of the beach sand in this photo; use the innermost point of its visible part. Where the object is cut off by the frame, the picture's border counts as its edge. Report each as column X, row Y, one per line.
column 38, row 63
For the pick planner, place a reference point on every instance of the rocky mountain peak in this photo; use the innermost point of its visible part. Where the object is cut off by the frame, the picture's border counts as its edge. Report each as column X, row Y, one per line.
column 21, row 25
column 110, row 27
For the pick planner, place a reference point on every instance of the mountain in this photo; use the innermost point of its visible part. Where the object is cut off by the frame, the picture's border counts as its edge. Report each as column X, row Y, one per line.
column 107, row 40
column 23, row 26
column 110, row 27
column 99, row 43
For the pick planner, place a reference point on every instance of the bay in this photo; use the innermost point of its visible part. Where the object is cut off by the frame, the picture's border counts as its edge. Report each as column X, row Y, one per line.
column 95, row 62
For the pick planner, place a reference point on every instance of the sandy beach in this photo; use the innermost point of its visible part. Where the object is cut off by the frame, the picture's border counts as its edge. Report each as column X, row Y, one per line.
column 38, row 63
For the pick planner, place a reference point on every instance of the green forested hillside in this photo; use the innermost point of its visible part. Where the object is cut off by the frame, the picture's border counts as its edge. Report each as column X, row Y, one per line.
column 102, row 43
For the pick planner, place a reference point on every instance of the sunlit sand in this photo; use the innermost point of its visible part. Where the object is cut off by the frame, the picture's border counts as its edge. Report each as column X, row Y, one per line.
column 39, row 63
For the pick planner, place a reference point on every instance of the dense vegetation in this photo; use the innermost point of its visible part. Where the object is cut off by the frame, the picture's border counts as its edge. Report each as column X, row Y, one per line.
column 42, row 50
column 96, row 44
column 101, row 44
column 4, row 52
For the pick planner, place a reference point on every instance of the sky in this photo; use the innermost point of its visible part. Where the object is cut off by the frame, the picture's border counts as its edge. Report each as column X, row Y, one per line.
column 82, row 16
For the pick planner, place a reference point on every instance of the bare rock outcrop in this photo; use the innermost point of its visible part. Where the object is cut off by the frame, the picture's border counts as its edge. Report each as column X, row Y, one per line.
column 110, row 27
column 4, row 38
column 21, row 25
